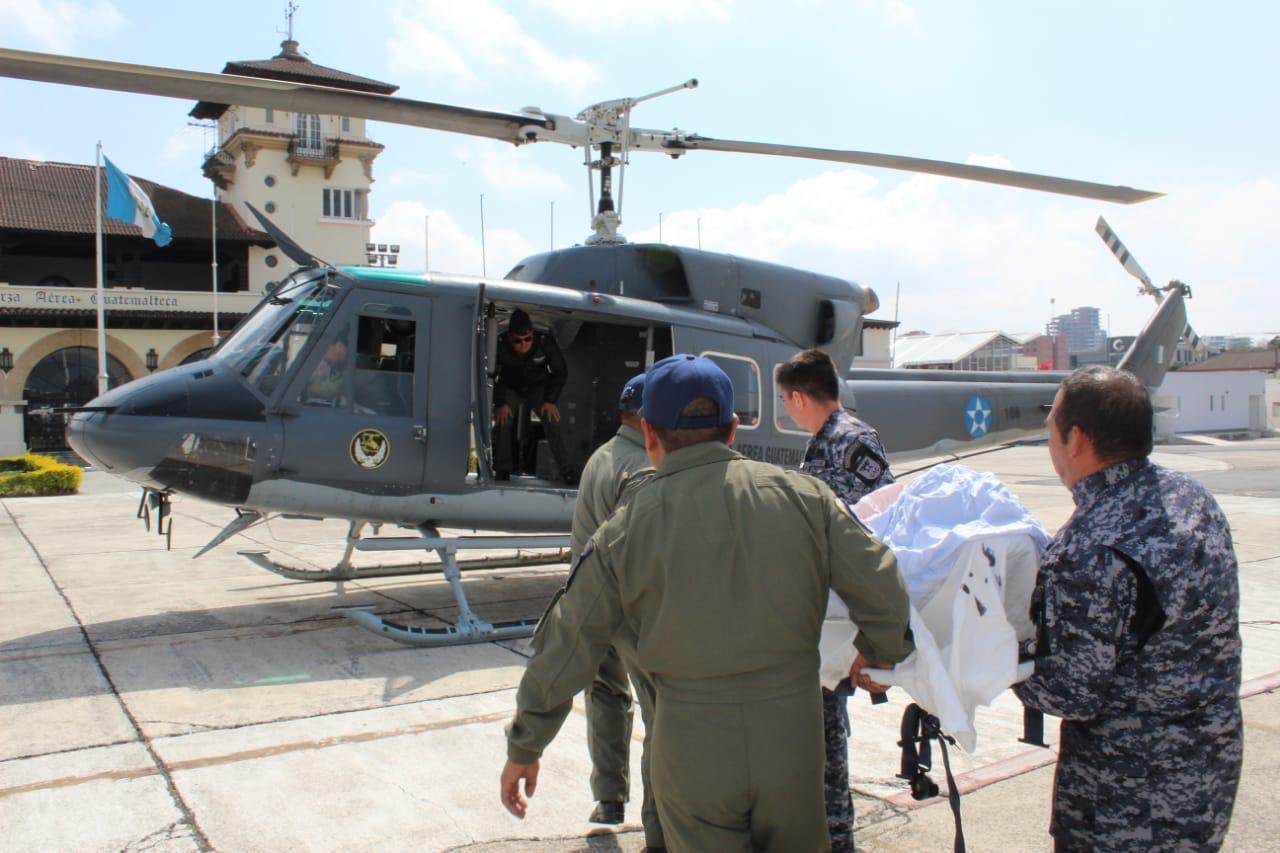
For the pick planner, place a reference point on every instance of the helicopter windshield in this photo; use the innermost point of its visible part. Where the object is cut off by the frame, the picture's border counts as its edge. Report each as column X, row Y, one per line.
column 263, row 349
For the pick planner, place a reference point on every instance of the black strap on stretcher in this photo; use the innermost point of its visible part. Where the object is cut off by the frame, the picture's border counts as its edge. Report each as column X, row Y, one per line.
column 919, row 730
column 919, row 727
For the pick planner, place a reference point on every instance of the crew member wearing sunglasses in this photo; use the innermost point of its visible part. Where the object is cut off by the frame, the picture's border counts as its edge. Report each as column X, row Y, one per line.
column 532, row 373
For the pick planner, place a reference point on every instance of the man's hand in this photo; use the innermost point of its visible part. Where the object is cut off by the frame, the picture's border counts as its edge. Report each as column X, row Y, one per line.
column 550, row 412
column 511, row 776
column 502, row 415
column 861, row 679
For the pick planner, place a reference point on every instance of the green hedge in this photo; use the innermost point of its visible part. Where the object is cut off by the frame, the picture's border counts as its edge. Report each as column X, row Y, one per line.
column 33, row 474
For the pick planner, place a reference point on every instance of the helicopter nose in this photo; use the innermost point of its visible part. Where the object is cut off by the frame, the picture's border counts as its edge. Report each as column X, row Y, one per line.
column 112, row 435
column 193, row 430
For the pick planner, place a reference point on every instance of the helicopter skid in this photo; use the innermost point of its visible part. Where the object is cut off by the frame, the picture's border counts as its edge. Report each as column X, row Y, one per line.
column 465, row 632
column 468, row 628
column 347, row 572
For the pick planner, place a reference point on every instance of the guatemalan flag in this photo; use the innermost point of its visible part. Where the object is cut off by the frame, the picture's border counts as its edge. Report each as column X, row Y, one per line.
column 128, row 203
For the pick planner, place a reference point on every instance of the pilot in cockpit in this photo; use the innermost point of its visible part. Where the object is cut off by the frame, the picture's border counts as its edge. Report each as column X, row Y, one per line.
column 327, row 384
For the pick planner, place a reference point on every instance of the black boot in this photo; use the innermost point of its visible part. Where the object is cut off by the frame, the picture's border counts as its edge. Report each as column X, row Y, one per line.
column 609, row 812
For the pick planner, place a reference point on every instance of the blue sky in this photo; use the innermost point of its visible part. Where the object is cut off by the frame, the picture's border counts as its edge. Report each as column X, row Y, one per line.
column 1171, row 96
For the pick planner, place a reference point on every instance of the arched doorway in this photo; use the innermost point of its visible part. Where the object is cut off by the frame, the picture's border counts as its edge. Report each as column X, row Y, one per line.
column 198, row 355
column 67, row 377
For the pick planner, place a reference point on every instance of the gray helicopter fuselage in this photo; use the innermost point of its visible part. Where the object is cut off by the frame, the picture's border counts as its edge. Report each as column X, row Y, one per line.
column 397, row 426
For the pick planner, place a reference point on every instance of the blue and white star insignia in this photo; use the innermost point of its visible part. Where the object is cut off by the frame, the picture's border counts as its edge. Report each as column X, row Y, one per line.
column 977, row 417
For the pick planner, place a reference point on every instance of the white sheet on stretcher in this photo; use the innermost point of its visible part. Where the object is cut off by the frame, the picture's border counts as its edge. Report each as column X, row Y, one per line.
column 969, row 552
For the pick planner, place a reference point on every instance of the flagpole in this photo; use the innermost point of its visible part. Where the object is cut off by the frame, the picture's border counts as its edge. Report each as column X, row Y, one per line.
column 102, row 323
column 213, row 218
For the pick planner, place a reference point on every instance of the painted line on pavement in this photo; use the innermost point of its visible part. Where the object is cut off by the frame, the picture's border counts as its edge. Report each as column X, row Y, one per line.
column 253, row 754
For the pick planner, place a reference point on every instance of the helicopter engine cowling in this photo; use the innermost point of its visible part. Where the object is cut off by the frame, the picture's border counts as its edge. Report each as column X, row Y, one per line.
column 807, row 309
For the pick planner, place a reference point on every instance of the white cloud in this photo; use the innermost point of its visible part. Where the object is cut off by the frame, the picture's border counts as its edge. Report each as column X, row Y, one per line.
column 441, row 38
column 972, row 257
column 504, row 167
column 894, row 14
column 587, row 14
column 59, row 24
column 453, row 249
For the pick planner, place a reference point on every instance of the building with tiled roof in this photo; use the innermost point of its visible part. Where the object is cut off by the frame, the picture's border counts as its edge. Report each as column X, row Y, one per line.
column 291, row 66
column 311, row 174
column 39, row 197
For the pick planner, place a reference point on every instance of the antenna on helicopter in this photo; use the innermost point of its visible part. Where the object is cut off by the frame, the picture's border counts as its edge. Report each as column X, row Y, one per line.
column 608, row 124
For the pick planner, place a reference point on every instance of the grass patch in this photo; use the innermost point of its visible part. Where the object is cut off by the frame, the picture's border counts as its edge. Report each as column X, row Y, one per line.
column 35, row 475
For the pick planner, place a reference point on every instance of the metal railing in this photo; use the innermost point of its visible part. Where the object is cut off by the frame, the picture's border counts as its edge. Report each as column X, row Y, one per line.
column 311, row 148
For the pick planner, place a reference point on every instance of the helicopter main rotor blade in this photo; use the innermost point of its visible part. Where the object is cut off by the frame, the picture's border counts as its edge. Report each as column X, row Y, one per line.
column 257, row 92
column 985, row 174
column 516, row 128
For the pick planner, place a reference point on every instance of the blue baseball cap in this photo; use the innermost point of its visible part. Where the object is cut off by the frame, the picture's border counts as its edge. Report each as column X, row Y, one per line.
column 677, row 381
column 632, row 394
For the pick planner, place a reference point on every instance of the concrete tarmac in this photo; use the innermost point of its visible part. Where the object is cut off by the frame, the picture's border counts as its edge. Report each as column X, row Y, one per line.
column 153, row 702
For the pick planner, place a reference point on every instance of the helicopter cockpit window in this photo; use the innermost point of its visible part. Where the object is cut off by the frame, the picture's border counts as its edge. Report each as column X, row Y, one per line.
column 265, row 346
column 384, row 366
column 745, row 376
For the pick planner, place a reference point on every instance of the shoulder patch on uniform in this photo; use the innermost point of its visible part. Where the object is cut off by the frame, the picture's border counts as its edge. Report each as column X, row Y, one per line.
column 863, row 463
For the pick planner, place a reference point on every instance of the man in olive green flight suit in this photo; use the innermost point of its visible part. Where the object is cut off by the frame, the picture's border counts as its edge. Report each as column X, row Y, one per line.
column 614, row 471
column 717, row 571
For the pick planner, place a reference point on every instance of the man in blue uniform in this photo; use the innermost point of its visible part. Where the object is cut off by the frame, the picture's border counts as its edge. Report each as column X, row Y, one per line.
column 1138, row 647
column 530, row 372
column 846, row 454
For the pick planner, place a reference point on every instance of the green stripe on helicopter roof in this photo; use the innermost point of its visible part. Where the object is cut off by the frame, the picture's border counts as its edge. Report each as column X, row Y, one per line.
column 384, row 274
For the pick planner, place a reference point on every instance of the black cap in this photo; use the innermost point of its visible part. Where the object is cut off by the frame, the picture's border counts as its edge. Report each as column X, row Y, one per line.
column 519, row 322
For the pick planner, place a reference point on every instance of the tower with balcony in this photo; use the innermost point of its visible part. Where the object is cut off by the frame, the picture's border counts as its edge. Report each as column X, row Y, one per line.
column 311, row 174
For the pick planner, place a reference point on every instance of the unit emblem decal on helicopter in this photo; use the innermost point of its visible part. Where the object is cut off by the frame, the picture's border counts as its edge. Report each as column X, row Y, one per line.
column 370, row 449
column 977, row 417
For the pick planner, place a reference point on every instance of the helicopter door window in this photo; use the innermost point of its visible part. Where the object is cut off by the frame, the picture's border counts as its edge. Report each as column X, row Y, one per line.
column 744, row 373
column 384, row 366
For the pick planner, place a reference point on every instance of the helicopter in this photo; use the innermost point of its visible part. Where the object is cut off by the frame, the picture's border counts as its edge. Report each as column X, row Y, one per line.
column 406, row 439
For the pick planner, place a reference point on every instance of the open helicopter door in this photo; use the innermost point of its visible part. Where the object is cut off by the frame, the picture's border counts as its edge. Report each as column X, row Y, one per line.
column 355, row 414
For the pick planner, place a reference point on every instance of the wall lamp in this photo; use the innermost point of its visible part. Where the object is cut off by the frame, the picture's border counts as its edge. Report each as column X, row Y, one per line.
column 153, row 360
column 6, row 360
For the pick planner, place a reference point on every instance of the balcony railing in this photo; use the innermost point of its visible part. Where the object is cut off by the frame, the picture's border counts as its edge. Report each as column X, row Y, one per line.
column 309, row 148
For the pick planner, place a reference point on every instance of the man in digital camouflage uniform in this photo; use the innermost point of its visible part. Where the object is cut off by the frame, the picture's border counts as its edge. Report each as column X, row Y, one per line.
column 614, row 471
column 846, row 454
column 1138, row 647
column 717, row 571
